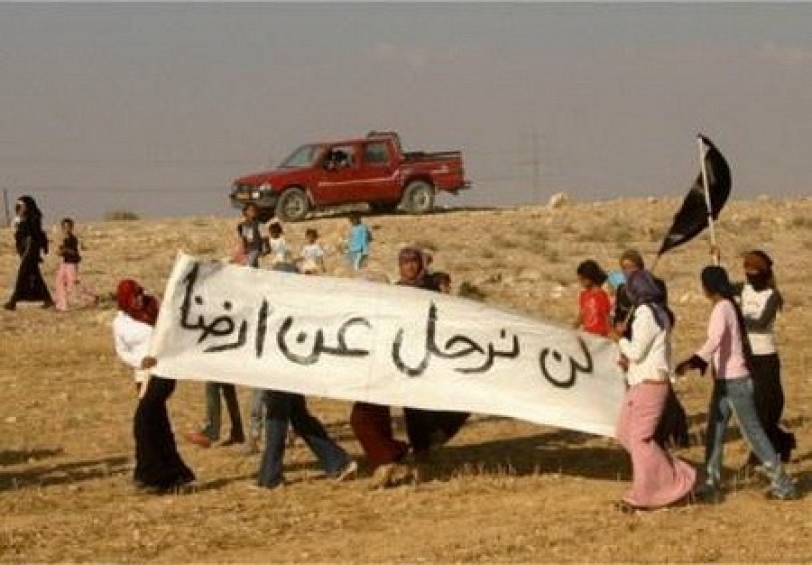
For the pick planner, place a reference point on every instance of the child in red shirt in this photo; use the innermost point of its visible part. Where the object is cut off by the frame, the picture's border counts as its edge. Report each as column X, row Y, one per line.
column 594, row 305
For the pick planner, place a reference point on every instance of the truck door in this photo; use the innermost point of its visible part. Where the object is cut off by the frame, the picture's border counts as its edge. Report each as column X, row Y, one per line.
column 378, row 174
column 337, row 182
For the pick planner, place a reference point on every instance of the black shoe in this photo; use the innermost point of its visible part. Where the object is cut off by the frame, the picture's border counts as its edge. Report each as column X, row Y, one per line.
column 10, row 306
column 707, row 494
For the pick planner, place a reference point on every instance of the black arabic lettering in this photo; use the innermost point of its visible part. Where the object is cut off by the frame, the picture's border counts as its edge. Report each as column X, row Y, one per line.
column 574, row 367
column 341, row 348
column 262, row 328
column 450, row 349
column 492, row 354
column 221, row 326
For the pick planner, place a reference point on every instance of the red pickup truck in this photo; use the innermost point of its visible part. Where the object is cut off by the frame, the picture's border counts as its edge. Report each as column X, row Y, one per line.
column 372, row 170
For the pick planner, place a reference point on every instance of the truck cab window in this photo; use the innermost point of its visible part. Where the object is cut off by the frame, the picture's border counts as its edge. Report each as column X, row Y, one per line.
column 376, row 153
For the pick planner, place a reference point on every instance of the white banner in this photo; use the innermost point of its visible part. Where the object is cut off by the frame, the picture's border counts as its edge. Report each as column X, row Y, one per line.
column 355, row 340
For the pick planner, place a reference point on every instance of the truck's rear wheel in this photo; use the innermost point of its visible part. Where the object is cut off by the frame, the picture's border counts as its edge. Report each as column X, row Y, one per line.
column 418, row 198
column 292, row 206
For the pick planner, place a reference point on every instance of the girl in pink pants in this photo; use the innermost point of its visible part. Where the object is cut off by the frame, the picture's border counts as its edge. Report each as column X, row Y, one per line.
column 67, row 276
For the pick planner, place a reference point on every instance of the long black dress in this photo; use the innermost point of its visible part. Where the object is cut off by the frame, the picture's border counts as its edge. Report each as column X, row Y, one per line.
column 31, row 242
column 158, row 464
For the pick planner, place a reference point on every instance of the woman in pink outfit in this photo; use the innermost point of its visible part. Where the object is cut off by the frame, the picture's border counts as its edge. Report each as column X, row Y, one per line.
column 658, row 479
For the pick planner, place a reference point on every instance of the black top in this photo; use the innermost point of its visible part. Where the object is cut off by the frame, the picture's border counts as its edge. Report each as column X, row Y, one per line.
column 69, row 251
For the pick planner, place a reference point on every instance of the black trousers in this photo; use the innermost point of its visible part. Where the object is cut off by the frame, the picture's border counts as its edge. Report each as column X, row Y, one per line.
column 427, row 427
column 768, row 395
column 157, row 461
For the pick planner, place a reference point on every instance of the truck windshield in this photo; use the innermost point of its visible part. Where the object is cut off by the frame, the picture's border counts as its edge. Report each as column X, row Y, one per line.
column 304, row 156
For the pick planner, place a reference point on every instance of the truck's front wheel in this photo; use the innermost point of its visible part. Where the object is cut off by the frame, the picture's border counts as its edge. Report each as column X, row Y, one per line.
column 418, row 198
column 292, row 206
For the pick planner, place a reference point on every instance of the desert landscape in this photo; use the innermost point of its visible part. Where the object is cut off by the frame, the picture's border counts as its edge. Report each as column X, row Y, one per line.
column 502, row 490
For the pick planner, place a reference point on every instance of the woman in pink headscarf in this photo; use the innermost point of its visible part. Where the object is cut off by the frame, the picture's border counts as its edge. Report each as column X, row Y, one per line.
column 159, row 468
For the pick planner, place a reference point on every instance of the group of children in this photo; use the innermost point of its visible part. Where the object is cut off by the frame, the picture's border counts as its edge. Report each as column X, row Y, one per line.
column 251, row 244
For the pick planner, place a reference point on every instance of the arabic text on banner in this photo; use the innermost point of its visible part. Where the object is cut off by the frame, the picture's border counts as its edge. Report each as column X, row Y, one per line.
column 356, row 340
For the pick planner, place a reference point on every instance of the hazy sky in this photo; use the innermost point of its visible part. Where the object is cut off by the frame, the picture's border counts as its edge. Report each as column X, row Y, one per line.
column 156, row 107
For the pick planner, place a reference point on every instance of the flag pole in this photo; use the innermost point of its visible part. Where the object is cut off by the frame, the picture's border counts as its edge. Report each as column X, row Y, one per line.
column 709, row 207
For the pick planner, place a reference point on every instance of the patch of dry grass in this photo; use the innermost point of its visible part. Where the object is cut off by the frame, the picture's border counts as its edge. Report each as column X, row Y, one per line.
column 503, row 490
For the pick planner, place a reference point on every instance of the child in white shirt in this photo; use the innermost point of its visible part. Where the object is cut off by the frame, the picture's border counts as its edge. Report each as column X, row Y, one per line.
column 312, row 256
column 277, row 246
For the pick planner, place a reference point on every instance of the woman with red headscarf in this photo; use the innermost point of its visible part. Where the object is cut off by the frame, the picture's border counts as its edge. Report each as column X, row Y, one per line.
column 158, row 465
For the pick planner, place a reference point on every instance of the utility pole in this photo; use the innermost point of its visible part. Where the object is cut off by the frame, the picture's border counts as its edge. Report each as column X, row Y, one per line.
column 5, row 207
column 534, row 162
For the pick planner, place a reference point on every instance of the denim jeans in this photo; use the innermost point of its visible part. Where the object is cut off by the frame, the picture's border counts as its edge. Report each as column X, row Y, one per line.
column 283, row 409
column 735, row 396
column 256, row 414
column 214, row 411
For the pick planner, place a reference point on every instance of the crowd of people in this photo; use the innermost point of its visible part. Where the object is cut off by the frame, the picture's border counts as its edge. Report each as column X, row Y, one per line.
column 629, row 306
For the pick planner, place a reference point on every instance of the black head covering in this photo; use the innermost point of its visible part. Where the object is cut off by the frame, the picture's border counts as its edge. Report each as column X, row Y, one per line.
column 32, row 211
column 715, row 280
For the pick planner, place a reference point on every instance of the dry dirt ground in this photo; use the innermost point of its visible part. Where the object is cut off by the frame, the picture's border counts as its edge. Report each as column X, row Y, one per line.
column 503, row 490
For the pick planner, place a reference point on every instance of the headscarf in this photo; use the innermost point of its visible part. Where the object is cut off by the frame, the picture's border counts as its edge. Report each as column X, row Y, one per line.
column 641, row 289
column 409, row 254
column 32, row 211
column 29, row 226
column 758, row 268
column 126, row 294
column 715, row 280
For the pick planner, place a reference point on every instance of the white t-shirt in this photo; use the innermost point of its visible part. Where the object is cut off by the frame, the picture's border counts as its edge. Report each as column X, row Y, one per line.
column 312, row 257
column 279, row 250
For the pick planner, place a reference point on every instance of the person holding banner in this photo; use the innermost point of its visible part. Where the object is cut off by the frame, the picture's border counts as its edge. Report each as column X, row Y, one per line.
column 287, row 409
column 728, row 350
column 658, row 479
column 372, row 426
column 159, row 468
column 673, row 426
column 425, row 428
column 760, row 303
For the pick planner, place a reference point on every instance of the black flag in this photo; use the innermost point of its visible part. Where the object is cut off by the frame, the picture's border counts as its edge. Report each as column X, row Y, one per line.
column 692, row 217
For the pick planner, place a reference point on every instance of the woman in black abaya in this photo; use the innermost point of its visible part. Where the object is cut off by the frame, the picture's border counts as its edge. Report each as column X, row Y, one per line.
column 31, row 243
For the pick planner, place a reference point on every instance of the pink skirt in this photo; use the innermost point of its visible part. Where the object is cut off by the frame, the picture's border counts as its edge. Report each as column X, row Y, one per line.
column 658, row 479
